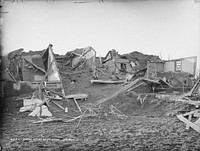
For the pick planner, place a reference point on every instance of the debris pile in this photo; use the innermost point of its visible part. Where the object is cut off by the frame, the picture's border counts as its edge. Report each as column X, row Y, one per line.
column 79, row 88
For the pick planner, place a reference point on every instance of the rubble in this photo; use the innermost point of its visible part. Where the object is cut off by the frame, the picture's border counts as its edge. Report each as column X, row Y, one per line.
column 99, row 104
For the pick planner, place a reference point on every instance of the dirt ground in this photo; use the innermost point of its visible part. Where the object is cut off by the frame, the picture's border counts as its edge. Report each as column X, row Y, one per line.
column 151, row 125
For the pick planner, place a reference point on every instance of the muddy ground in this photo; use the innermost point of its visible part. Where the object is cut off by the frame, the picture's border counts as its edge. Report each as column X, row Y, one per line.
column 148, row 126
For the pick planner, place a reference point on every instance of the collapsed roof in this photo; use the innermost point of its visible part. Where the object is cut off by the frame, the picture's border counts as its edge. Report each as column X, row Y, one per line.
column 78, row 56
column 33, row 65
column 140, row 58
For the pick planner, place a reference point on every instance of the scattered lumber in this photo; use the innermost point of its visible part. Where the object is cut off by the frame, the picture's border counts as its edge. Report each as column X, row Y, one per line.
column 107, row 81
column 123, row 89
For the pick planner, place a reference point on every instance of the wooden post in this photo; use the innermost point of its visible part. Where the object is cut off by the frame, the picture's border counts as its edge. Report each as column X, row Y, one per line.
column 147, row 69
column 189, row 118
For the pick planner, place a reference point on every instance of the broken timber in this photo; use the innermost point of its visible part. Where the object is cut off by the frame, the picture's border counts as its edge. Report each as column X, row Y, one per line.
column 135, row 87
column 77, row 96
column 189, row 102
column 107, row 81
column 123, row 89
column 194, row 89
column 48, row 120
column 58, row 105
column 164, row 82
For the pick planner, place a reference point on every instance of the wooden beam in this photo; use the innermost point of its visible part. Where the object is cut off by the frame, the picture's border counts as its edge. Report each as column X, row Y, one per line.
column 189, row 102
column 135, row 87
column 192, row 112
column 123, row 89
column 107, row 81
column 49, row 120
column 77, row 96
column 189, row 118
column 58, row 105
column 77, row 105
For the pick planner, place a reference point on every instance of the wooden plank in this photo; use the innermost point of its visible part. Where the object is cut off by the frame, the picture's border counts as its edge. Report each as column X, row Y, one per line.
column 123, row 89
column 192, row 112
column 77, row 96
column 58, row 105
column 197, row 84
column 162, row 81
column 198, row 122
column 189, row 118
column 189, row 102
column 77, row 105
column 44, row 101
column 134, row 87
column 103, row 72
column 196, row 114
column 49, row 120
column 151, row 81
column 189, row 123
column 107, row 81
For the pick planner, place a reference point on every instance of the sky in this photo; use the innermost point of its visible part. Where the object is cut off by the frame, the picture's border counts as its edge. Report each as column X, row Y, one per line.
column 166, row 28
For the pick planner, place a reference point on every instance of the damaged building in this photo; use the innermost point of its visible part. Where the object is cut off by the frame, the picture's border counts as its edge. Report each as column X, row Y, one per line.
column 83, row 57
column 115, row 63
column 34, row 67
column 177, row 71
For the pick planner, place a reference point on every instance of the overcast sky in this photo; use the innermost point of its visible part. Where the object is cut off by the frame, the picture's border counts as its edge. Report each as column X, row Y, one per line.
column 167, row 28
